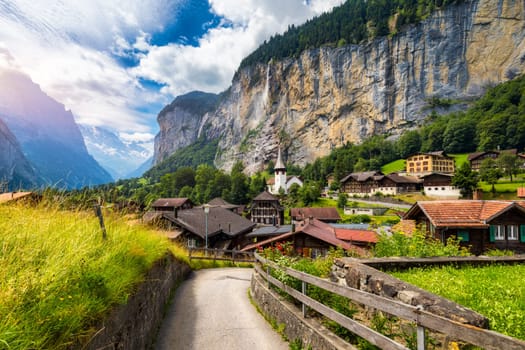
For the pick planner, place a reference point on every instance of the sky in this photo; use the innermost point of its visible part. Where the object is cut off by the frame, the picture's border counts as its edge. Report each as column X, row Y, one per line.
column 117, row 63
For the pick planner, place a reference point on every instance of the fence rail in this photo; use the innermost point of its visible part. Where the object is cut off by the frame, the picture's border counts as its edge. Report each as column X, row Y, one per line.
column 220, row 254
column 484, row 338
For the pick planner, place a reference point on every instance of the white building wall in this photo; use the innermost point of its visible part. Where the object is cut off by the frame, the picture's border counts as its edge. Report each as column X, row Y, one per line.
column 442, row 191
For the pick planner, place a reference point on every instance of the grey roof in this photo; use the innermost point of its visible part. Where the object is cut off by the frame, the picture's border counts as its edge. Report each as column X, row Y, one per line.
column 362, row 176
column 269, row 231
column 279, row 164
column 266, row 196
column 169, row 202
column 219, row 220
column 219, row 202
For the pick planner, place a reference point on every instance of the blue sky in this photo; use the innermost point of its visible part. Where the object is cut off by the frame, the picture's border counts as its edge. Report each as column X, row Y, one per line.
column 117, row 65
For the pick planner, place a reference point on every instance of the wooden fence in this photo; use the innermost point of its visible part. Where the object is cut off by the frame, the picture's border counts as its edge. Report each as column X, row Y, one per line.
column 234, row 256
column 423, row 319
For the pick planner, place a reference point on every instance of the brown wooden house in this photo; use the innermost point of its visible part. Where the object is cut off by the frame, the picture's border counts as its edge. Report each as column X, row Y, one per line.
column 312, row 239
column 481, row 225
column 220, row 227
column 266, row 209
column 475, row 159
column 327, row 214
column 369, row 182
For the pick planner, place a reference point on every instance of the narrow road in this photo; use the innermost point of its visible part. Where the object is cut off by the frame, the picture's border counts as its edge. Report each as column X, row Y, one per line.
column 211, row 310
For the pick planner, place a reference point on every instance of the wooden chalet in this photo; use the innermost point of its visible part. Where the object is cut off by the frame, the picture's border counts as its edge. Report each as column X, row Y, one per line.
column 481, row 224
column 326, row 214
column 266, row 209
column 369, row 182
column 223, row 228
column 312, row 239
column 166, row 205
column 475, row 159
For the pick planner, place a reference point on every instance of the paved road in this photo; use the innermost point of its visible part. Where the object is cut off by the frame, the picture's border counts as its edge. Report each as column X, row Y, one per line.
column 211, row 310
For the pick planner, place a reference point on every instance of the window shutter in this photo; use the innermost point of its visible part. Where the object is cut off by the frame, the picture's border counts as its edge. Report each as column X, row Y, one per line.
column 464, row 236
column 492, row 232
column 522, row 233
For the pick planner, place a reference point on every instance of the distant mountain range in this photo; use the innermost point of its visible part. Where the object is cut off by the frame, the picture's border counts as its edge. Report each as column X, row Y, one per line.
column 40, row 143
column 121, row 159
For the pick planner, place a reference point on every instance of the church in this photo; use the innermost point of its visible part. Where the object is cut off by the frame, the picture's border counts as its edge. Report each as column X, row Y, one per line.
column 280, row 179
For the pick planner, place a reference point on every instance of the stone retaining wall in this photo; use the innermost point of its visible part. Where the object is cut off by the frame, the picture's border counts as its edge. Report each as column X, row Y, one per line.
column 135, row 325
column 311, row 332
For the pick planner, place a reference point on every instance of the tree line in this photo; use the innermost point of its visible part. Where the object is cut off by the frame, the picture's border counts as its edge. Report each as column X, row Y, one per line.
column 350, row 23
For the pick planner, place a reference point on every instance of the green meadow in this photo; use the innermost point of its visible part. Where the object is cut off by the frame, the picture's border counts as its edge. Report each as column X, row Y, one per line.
column 495, row 291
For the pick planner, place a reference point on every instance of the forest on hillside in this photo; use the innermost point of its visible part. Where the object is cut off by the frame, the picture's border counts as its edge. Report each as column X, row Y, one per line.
column 351, row 23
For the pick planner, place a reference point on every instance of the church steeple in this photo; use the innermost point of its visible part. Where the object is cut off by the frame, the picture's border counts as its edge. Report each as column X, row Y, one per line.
column 279, row 165
column 280, row 174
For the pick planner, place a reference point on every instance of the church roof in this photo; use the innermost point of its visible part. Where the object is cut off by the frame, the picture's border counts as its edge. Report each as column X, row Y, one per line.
column 279, row 164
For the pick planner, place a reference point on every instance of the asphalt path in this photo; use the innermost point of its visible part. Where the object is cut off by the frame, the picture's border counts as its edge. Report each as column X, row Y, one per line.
column 211, row 310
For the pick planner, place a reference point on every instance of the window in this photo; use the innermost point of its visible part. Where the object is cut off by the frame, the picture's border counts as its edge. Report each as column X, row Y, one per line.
column 513, row 231
column 500, row 232
column 192, row 243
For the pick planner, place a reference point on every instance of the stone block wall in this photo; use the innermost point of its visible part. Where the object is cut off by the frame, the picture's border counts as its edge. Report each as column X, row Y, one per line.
column 135, row 325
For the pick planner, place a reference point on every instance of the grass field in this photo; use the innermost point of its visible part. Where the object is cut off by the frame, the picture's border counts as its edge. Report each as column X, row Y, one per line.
column 59, row 276
column 395, row 166
column 496, row 291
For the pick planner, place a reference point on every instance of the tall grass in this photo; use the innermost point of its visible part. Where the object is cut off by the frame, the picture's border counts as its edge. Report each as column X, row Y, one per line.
column 58, row 276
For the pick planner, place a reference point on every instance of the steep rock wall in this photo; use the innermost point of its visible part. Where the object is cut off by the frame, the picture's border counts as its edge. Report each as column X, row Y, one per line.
column 329, row 96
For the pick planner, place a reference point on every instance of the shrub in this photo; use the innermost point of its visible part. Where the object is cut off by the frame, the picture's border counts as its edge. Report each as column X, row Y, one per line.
column 417, row 245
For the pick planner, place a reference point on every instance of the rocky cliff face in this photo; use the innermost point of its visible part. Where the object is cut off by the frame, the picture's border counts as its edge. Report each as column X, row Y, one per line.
column 330, row 96
column 180, row 122
column 15, row 170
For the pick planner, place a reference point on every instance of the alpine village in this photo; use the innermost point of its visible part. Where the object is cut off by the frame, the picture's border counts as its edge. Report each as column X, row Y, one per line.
column 365, row 170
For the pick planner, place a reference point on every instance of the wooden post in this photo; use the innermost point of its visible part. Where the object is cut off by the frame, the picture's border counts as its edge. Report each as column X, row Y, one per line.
column 420, row 333
column 98, row 213
column 303, row 285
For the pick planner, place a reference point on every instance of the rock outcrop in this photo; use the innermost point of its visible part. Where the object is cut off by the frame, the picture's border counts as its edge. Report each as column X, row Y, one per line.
column 15, row 170
column 329, row 96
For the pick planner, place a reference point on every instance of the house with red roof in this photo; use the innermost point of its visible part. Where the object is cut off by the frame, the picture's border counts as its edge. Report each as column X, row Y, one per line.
column 315, row 238
column 480, row 224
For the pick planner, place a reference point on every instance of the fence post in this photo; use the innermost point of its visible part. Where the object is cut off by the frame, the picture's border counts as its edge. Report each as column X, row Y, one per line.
column 268, row 275
column 303, row 287
column 420, row 331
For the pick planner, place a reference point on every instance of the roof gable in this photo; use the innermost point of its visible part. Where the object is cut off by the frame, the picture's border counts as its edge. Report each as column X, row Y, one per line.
column 266, row 196
column 462, row 213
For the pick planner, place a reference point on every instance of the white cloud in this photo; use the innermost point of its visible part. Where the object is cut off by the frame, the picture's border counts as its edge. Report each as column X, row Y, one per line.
column 211, row 65
column 69, row 49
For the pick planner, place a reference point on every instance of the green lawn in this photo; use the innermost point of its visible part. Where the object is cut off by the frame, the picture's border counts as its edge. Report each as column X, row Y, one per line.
column 496, row 291
column 395, row 166
column 459, row 158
